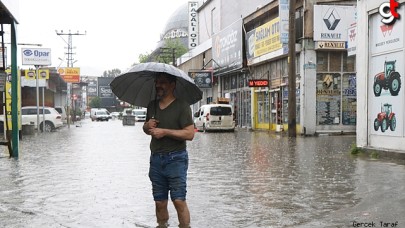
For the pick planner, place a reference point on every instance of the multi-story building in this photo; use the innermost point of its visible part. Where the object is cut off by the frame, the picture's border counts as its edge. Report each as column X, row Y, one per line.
column 242, row 42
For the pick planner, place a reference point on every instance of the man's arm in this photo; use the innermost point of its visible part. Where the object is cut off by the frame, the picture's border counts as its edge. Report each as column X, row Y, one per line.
column 148, row 125
column 186, row 133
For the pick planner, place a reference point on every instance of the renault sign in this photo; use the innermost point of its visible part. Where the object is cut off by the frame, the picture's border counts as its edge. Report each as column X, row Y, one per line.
column 36, row 56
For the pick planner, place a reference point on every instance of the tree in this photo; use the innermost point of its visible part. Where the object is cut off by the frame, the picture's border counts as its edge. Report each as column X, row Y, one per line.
column 165, row 53
column 173, row 48
column 112, row 73
column 95, row 102
column 143, row 58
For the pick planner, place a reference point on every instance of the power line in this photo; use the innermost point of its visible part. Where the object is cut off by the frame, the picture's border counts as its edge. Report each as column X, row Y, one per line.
column 69, row 43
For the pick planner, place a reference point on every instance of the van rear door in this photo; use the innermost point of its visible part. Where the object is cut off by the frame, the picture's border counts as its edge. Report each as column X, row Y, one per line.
column 221, row 116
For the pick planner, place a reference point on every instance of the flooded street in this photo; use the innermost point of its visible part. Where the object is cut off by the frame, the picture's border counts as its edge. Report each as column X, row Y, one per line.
column 95, row 174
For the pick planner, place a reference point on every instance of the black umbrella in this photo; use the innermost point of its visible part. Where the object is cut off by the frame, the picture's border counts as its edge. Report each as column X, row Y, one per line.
column 137, row 86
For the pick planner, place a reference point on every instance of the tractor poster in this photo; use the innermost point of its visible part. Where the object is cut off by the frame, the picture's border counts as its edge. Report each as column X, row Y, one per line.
column 386, row 93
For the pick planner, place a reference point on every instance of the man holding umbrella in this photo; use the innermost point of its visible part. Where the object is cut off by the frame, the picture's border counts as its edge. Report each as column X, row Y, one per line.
column 169, row 122
column 167, row 92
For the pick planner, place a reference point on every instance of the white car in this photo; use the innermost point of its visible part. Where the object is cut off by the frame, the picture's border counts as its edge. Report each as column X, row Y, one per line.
column 62, row 112
column 140, row 114
column 53, row 119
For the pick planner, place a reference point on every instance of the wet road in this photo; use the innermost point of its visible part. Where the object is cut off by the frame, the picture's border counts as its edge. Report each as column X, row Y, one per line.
column 95, row 175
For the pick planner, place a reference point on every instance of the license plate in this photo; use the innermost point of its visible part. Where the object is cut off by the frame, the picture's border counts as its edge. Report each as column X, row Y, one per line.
column 215, row 122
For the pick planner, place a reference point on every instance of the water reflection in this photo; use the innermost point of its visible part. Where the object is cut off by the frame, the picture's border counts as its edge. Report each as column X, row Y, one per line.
column 96, row 176
column 261, row 179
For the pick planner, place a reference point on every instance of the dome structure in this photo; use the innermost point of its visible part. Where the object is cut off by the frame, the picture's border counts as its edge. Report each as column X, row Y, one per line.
column 176, row 27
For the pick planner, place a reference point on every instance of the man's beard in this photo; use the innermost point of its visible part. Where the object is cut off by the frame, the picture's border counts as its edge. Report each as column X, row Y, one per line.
column 160, row 93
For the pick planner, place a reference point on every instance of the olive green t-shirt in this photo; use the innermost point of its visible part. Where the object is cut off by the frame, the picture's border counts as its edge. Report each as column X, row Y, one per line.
column 175, row 116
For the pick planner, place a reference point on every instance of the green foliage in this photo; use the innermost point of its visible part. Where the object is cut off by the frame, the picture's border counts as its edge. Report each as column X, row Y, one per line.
column 95, row 102
column 112, row 73
column 143, row 58
column 374, row 155
column 355, row 150
column 171, row 48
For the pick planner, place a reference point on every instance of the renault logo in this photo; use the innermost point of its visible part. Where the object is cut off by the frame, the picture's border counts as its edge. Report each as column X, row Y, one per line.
column 331, row 19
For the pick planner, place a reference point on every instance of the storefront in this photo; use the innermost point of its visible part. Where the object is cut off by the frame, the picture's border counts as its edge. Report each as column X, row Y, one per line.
column 228, row 69
column 381, row 71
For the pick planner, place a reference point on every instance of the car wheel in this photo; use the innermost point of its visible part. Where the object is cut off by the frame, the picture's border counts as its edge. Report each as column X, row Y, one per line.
column 48, row 127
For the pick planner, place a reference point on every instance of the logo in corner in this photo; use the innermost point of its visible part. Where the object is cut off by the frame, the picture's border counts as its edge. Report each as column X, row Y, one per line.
column 388, row 10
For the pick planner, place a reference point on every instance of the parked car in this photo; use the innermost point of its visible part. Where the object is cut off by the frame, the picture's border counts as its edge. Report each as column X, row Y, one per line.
column 100, row 115
column 215, row 117
column 62, row 112
column 115, row 115
column 140, row 114
column 53, row 119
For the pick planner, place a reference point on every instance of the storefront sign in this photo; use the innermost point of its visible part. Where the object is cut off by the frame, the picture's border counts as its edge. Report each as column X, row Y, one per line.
column 263, row 39
column 192, row 24
column 70, row 74
column 36, row 56
column 203, row 79
column 351, row 40
column 331, row 22
column 227, row 48
column 330, row 45
column 258, row 83
column 283, row 9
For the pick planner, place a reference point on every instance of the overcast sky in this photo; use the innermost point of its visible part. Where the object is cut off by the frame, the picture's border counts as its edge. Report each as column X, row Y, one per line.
column 116, row 31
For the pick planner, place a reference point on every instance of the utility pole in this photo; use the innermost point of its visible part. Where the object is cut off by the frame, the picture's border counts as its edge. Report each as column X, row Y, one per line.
column 292, row 100
column 69, row 64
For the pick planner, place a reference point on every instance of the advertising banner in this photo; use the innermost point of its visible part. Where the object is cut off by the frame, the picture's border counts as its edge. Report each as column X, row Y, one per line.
column 263, row 39
column 283, row 11
column 203, row 79
column 227, row 48
column 331, row 22
column 31, row 74
column 8, row 106
column 36, row 56
column 70, row 74
column 192, row 25
column 386, row 77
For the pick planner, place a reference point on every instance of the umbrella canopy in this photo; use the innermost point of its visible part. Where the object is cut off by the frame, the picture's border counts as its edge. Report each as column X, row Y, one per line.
column 137, row 86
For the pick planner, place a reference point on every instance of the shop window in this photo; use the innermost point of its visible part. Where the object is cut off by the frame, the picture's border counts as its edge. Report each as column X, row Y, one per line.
column 328, row 98
column 335, row 61
column 322, row 61
column 263, row 107
column 349, row 63
column 233, row 82
column 284, row 67
column 349, row 101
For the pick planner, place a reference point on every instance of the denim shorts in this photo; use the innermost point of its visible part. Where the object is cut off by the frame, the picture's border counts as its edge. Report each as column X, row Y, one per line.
column 168, row 173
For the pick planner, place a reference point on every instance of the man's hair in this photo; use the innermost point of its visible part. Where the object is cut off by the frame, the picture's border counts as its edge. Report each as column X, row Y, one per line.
column 170, row 78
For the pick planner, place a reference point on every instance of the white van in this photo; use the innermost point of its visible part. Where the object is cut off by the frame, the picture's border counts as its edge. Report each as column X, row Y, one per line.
column 93, row 115
column 215, row 117
column 140, row 114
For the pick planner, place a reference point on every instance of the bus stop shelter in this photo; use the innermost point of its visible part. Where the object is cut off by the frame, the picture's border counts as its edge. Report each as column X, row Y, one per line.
column 9, row 16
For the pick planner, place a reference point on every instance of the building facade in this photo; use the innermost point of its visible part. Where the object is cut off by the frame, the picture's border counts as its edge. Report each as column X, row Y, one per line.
column 246, row 43
column 381, row 70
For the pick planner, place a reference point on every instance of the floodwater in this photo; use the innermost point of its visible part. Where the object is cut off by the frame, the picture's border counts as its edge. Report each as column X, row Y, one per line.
column 95, row 175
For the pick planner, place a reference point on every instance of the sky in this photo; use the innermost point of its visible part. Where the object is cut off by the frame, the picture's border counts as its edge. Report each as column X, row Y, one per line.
column 116, row 32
